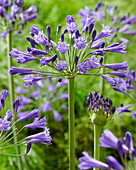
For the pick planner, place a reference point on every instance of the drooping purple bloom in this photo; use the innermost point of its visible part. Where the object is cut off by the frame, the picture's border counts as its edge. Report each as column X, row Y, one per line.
column 113, row 163
column 63, row 96
column 70, row 18
column 32, row 114
column 35, row 95
column 117, row 66
column 88, row 162
column 110, row 80
column 119, row 74
column 57, row 116
column 58, row 29
column 4, row 95
column 19, row 89
column 29, row 80
column 46, row 107
column 80, row 43
column 8, row 115
column 34, row 30
column 37, row 124
column 93, row 62
column 84, row 67
column 110, row 10
column 24, row 100
column 43, row 137
column 72, row 27
column 131, row 20
column 46, row 60
column 51, row 88
column 124, row 29
column 41, row 38
column 100, row 52
column 21, row 71
column 61, row 65
column 37, row 52
column 4, row 124
column 120, row 110
column 116, row 48
column 62, row 47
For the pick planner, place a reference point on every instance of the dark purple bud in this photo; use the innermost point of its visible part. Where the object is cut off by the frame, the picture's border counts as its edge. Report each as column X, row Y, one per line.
column 76, row 60
column 28, row 147
column 86, row 29
column 107, row 99
column 62, row 37
column 93, row 35
column 102, row 45
column 101, row 60
column 58, row 29
column 49, row 31
column 120, row 147
column 101, row 96
column 110, row 102
column 2, row 12
column 133, row 73
column 113, row 163
column 65, row 31
column 113, row 110
column 121, row 104
column 15, row 105
column 90, row 28
column 97, row 97
column 77, row 34
column 95, row 93
column 32, row 41
column 99, row 102
column 90, row 95
column 59, row 79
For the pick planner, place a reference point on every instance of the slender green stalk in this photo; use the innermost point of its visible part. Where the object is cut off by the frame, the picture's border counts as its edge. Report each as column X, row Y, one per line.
column 11, row 92
column 71, row 122
column 97, row 134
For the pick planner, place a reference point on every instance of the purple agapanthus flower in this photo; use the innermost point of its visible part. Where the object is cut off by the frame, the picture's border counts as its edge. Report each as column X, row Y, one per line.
column 80, row 43
column 116, row 48
column 4, row 95
column 113, row 163
column 62, row 47
column 84, row 67
column 4, row 124
column 93, row 62
column 72, row 27
column 122, row 109
column 57, row 116
column 51, row 88
column 46, row 107
column 118, row 66
column 110, row 80
column 62, row 65
column 19, row 89
column 134, row 114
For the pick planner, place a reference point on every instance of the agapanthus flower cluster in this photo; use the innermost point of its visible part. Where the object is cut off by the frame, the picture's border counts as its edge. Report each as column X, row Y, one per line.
column 125, row 149
column 110, row 14
column 14, row 16
column 126, row 84
column 75, row 54
column 45, row 92
column 9, row 127
column 100, row 109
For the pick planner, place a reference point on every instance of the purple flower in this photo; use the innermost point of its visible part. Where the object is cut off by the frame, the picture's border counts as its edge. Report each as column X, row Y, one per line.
column 4, row 95
column 110, row 10
column 19, row 89
column 57, row 116
column 70, row 18
column 116, row 48
column 113, row 163
column 63, row 96
column 21, row 71
column 110, row 80
column 34, row 30
column 24, row 100
column 35, row 95
column 98, row 44
column 51, row 88
column 117, row 66
column 37, row 124
column 124, row 28
column 117, row 73
column 122, row 109
column 72, row 27
column 8, row 115
column 100, row 52
column 58, row 29
column 15, row 105
column 62, row 47
column 105, row 33
column 134, row 114
column 64, row 107
column 131, row 20
column 46, row 107
column 84, row 67
column 43, row 137
column 29, row 80
column 62, row 83
column 93, row 61
column 41, row 38
column 88, row 162
column 125, row 41
column 4, row 124
column 61, row 65
column 80, row 43
column 32, row 114
column 37, row 52
column 46, row 60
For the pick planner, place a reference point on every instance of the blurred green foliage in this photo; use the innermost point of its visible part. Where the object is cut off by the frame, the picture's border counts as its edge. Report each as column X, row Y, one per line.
column 53, row 13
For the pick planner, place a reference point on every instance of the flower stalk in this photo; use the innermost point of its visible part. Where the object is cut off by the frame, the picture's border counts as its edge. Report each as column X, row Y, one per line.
column 71, row 122
column 11, row 91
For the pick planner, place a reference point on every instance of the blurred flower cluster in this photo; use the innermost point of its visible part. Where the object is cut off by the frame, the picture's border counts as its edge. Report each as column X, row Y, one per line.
column 14, row 16
column 120, row 26
column 45, row 92
column 125, row 149
column 9, row 127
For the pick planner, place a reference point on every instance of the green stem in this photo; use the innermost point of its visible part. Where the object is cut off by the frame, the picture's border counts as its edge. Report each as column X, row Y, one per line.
column 97, row 134
column 11, row 92
column 71, row 122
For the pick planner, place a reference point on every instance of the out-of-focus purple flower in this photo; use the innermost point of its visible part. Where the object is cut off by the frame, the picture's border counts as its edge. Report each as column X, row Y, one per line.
column 125, row 41
column 57, row 116
column 29, row 80
column 22, row 114
column 70, row 18
column 62, row 47
column 46, row 60
column 62, row 83
column 24, row 100
column 110, row 80
column 110, row 10
column 116, row 48
column 8, row 115
column 19, row 89
column 64, row 107
column 124, row 28
column 51, row 88
column 80, row 43
column 15, row 105
column 35, row 95
column 84, row 67
column 43, row 137
column 105, row 33
column 117, row 66
column 134, row 114
column 93, row 62
column 46, row 107
column 113, row 163
column 88, row 162
column 99, row 14
column 61, row 65
column 4, row 124
column 58, row 29
column 122, row 109
column 63, row 96
column 72, row 27
column 37, row 124
column 131, row 20
column 32, row 114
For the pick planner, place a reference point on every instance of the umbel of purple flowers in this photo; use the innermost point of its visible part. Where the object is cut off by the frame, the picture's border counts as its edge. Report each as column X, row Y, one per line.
column 125, row 150
column 100, row 109
column 82, row 54
column 7, row 121
column 14, row 16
